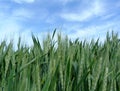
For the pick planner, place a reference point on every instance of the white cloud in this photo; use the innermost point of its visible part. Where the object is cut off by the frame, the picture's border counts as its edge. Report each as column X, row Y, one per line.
column 22, row 13
column 65, row 1
column 24, row 1
column 76, row 16
column 108, row 16
column 8, row 26
column 93, row 31
column 11, row 30
column 96, row 9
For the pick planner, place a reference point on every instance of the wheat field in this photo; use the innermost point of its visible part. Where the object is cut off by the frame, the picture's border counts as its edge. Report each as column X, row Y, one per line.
column 61, row 65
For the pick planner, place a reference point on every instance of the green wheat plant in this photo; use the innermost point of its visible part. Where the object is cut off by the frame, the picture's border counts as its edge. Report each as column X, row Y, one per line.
column 61, row 65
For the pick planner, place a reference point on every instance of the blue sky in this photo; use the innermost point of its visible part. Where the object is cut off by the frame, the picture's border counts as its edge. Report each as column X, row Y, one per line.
column 85, row 19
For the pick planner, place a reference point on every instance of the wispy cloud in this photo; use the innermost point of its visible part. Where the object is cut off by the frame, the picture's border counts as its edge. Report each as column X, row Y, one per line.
column 92, row 31
column 8, row 29
column 23, row 1
column 65, row 1
column 22, row 13
column 95, row 8
column 11, row 30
